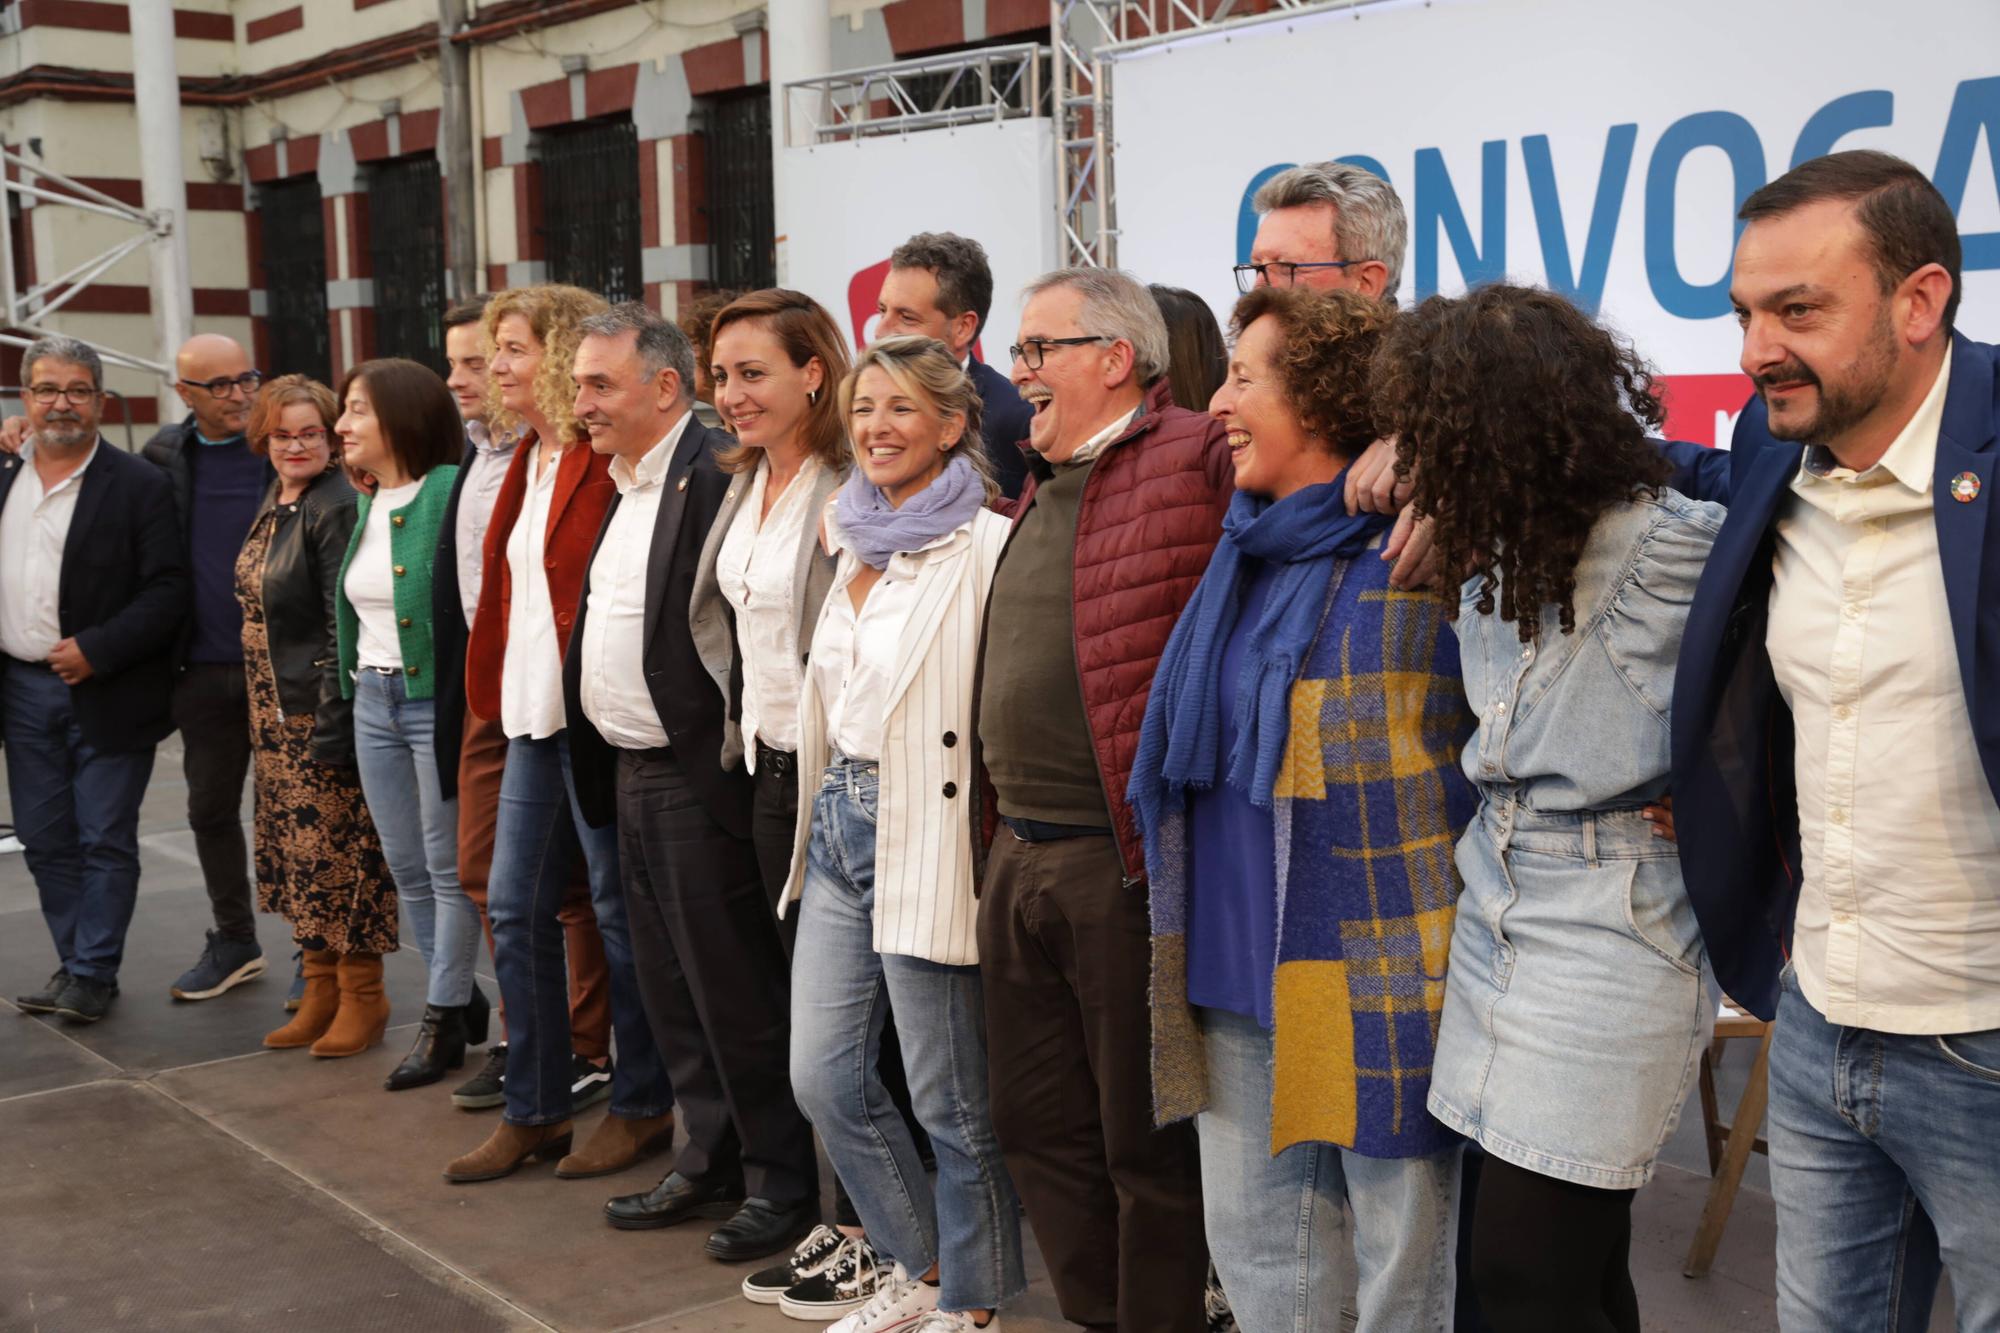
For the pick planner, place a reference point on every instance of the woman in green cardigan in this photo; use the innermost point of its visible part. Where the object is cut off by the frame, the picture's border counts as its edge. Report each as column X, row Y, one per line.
column 400, row 426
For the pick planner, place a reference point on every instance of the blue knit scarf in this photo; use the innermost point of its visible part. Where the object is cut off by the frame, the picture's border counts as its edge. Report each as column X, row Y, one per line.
column 1180, row 746
column 875, row 530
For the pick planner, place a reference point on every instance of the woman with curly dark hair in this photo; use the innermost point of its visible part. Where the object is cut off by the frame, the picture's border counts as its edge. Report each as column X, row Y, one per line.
column 1297, row 782
column 1579, row 995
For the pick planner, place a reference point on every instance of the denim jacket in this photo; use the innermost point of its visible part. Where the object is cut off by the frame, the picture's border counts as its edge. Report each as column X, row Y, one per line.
column 1580, row 721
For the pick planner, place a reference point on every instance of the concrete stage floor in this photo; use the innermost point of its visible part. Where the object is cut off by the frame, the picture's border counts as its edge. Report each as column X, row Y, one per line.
column 163, row 1171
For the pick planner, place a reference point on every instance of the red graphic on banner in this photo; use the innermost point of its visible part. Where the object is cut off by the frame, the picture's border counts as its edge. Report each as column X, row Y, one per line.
column 864, row 293
column 1703, row 408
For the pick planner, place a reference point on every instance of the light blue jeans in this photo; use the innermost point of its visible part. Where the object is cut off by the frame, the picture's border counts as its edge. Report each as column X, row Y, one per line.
column 841, row 991
column 1275, row 1223
column 1885, row 1164
column 397, row 761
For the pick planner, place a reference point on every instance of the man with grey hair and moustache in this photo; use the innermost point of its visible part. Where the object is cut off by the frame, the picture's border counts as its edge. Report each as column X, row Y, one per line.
column 93, row 591
column 1111, row 535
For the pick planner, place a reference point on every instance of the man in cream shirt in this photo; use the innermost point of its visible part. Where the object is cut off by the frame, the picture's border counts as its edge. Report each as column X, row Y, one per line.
column 1837, row 755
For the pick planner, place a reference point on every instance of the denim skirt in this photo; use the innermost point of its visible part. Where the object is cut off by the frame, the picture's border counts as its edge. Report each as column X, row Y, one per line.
column 1578, row 997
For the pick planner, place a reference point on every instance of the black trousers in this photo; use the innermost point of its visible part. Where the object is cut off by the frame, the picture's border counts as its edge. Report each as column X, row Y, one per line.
column 774, row 826
column 212, row 709
column 716, row 983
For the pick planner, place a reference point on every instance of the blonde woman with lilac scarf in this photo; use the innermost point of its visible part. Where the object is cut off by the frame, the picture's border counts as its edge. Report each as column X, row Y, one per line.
column 882, row 867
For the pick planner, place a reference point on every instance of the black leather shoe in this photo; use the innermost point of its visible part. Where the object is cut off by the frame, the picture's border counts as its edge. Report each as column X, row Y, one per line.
column 675, row 1199
column 761, row 1228
column 45, row 1000
column 477, row 1012
column 440, row 1047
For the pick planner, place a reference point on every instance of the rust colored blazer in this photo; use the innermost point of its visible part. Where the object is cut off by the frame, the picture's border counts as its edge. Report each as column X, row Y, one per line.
column 576, row 511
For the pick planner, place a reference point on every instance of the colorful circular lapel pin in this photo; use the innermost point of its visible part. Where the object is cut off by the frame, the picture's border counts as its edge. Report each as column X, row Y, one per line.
column 1965, row 487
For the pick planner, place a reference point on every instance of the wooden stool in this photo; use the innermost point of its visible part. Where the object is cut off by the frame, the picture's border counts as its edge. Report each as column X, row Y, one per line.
column 1729, row 1145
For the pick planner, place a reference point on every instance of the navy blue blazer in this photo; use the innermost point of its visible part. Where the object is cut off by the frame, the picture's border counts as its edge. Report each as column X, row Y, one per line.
column 122, row 595
column 1735, row 794
column 1004, row 425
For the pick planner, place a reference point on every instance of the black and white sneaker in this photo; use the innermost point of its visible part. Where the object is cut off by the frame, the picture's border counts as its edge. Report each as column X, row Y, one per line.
column 814, row 1253
column 848, row 1281
column 1221, row 1319
column 589, row 1083
column 488, row 1088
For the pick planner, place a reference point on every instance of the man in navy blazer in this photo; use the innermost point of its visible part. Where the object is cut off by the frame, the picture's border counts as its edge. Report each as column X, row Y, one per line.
column 941, row 286
column 93, row 594
column 1836, row 740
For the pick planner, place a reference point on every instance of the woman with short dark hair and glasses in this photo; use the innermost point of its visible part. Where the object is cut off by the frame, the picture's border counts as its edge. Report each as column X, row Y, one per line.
column 319, row 861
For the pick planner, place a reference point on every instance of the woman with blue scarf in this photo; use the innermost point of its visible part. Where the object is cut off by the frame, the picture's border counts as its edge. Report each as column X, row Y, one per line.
column 1298, row 786
column 882, row 866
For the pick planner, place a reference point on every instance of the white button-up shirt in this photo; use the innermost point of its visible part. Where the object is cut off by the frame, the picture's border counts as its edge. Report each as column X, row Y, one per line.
column 854, row 654
column 476, row 499
column 531, row 698
column 33, row 529
column 757, row 566
column 1898, row 924
column 613, row 668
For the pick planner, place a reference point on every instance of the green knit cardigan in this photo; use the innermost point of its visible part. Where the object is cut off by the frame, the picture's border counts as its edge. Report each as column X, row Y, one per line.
column 413, row 539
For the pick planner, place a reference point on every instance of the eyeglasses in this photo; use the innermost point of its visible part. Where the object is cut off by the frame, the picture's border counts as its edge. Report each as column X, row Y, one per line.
column 1282, row 274
column 1031, row 352
column 222, row 384
column 310, row 438
column 77, row 394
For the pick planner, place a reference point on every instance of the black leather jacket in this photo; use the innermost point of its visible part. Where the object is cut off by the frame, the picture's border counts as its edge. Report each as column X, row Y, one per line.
column 301, row 573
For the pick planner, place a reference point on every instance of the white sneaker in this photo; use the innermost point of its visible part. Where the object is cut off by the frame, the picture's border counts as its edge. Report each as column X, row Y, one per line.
column 954, row 1321
column 896, row 1307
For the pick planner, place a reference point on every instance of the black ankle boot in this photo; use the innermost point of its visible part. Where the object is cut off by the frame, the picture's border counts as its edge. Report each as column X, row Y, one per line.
column 440, row 1047
column 477, row 1013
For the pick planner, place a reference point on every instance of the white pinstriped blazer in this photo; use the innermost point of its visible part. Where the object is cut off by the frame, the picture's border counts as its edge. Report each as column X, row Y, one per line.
column 924, row 906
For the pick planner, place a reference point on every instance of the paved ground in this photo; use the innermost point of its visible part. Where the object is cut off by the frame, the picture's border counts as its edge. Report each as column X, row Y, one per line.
column 162, row 1171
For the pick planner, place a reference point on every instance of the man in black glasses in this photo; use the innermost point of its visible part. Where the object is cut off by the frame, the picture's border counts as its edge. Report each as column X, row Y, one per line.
column 218, row 485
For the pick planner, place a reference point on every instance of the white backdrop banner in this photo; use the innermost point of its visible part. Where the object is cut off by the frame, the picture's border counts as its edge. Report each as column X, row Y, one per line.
column 859, row 201
column 1598, row 147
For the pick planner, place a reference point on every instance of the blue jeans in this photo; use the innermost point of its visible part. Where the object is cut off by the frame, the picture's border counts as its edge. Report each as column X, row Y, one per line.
column 536, row 839
column 1275, row 1224
column 1885, row 1164
column 76, row 812
column 841, row 991
column 419, row 828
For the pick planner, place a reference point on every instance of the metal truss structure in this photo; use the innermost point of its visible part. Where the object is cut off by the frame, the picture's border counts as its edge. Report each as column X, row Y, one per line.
column 23, row 312
column 1086, row 34
column 988, row 84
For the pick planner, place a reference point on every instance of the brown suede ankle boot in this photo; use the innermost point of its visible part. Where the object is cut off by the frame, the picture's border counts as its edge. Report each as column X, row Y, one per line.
column 364, row 1010
column 506, row 1149
column 617, row 1143
column 316, row 1010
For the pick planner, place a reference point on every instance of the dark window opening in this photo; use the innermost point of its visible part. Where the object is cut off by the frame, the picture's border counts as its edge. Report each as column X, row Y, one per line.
column 294, row 238
column 406, row 244
column 742, row 230
column 590, row 208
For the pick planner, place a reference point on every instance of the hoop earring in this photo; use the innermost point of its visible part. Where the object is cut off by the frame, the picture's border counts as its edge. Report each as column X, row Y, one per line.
column 812, row 397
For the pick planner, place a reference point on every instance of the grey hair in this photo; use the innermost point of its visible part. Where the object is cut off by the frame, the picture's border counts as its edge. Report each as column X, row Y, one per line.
column 661, row 344
column 1115, row 305
column 55, row 347
column 1368, row 217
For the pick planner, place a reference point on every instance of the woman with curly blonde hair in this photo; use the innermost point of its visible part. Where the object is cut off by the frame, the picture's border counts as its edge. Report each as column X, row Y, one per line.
column 538, row 546
column 1297, row 783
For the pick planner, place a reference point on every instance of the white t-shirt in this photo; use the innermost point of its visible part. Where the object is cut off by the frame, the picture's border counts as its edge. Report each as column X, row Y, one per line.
column 757, row 567
column 531, row 697
column 371, row 581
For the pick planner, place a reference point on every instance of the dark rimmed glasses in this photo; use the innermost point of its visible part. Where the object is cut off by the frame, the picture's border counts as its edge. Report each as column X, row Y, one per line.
column 222, row 384
column 1031, row 352
column 1281, row 273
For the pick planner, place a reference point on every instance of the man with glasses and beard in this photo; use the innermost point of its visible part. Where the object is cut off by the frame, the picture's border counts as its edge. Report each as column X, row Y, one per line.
column 1836, row 748
column 92, row 593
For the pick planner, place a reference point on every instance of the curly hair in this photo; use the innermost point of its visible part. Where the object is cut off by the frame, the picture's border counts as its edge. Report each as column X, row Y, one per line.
column 277, row 395
column 553, row 312
column 1520, row 421
column 1330, row 339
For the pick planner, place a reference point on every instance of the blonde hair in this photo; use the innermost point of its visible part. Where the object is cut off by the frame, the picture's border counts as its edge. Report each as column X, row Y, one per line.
column 554, row 314
column 925, row 369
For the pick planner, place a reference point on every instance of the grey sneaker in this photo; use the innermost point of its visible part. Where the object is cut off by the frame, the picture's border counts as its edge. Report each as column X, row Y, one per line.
column 45, row 1000
column 86, row 1000
column 224, row 963
column 488, row 1088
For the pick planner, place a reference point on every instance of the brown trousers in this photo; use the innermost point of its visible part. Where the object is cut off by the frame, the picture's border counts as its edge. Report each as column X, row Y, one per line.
column 1065, row 955
column 482, row 759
